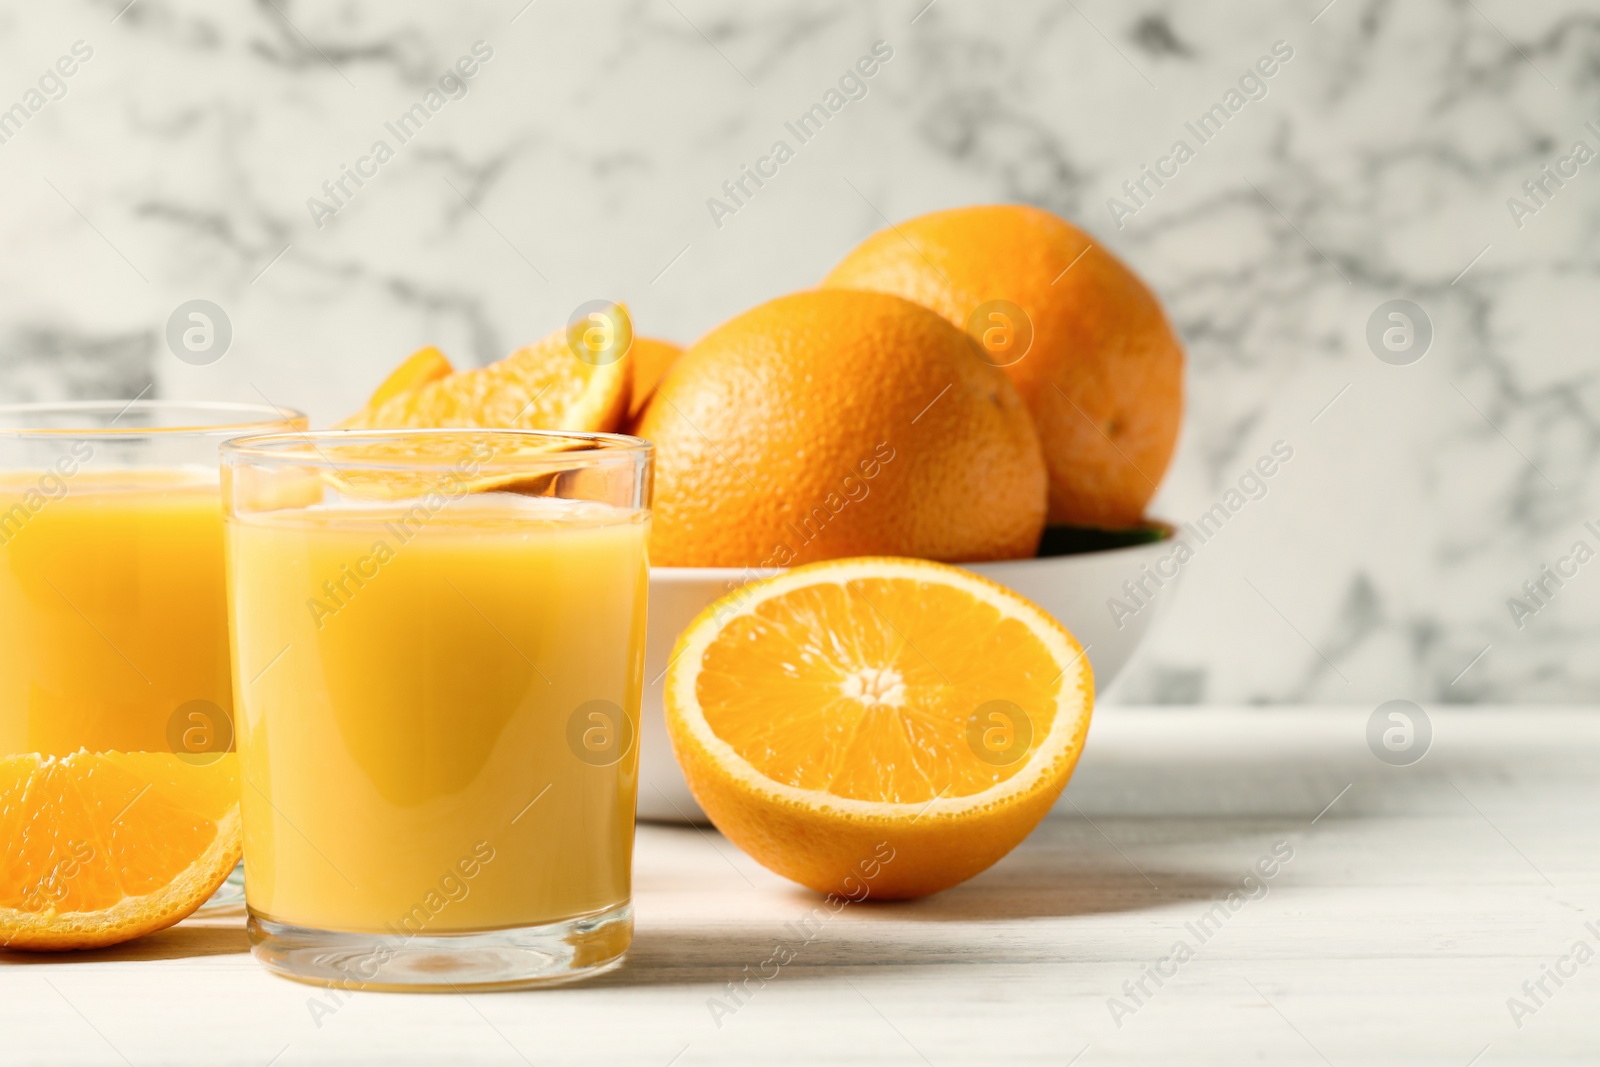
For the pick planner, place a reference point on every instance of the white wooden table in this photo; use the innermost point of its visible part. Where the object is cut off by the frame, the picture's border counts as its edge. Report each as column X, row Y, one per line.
column 1413, row 907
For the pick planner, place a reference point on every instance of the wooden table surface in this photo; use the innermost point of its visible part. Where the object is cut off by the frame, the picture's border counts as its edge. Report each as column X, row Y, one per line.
column 1406, row 908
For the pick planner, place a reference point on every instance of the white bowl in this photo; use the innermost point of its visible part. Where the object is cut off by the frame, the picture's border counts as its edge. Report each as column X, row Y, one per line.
column 1076, row 589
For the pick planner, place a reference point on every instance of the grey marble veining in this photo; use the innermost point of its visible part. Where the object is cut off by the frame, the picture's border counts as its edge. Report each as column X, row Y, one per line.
column 1376, row 163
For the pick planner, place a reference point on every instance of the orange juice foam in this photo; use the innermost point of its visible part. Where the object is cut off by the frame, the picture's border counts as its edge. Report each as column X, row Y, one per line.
column 425, row 703
column 113, row 615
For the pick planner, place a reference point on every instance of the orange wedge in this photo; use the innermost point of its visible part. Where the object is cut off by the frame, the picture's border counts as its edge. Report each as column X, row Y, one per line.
column 101, row 848
column 421, row 367
column 877, row 726
column 416, row 370
column 548, row 385
column 448, row 466
column 651, row 361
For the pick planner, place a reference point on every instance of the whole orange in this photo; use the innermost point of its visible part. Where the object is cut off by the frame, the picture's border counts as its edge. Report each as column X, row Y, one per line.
column 1094, row 356
column 839, row 423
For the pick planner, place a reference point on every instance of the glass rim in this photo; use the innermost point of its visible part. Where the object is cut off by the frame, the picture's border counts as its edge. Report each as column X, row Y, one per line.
column 303, row 448
column 213, row 417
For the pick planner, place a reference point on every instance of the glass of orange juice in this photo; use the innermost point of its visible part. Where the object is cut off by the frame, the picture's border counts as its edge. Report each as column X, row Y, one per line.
column 438, row 640
column 113, row 613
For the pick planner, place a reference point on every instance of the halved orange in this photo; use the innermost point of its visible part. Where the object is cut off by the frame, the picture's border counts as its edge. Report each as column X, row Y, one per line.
column 104, row 847
column 878, row 726
column 551, row 384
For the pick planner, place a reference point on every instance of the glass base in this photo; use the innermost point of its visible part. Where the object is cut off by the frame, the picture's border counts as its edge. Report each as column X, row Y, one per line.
column 230, row 894
column 513, row 958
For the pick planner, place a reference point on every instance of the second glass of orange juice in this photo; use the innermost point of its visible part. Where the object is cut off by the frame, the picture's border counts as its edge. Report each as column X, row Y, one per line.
column 113, row 619
column 438, row 641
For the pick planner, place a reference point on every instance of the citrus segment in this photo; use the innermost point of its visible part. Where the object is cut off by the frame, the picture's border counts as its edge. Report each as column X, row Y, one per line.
column 859, row 703
column 109, row 846
column 545, row 386
column 442, row 467
column 421, row 367
column 651, row 361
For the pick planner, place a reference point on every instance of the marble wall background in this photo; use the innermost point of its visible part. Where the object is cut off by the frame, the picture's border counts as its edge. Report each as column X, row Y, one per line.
column 178, row 162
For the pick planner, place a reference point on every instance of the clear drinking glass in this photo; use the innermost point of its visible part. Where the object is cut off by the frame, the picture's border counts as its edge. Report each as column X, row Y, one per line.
column 113, row 614
column 439, row 655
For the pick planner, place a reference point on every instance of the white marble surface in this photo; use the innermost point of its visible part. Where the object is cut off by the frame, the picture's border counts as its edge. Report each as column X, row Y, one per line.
column 178, row 163
column 1405, row 908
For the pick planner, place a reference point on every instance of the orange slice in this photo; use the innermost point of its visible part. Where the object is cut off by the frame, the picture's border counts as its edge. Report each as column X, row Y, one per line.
column 651, row 361
column 421, row 367
column 416, row 370
column 101, row 848
column 876, row 725
column 548, row 385
column 443, row 468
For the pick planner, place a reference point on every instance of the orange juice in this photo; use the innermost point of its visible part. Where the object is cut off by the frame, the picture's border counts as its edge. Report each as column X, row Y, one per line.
column 113, row 617
column 437, row 710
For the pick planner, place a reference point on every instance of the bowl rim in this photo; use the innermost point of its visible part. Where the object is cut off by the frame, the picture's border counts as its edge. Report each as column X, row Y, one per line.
column 748, row 574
